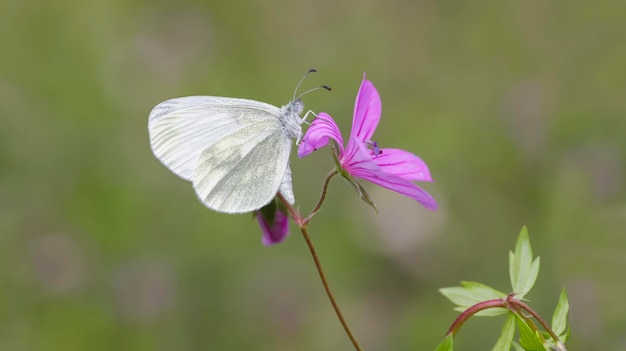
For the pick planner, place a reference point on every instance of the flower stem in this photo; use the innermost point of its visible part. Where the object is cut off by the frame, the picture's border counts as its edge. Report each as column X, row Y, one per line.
column 303, row 224
column 329, row 293
column 295, row 214
column 463, row 317
column 317, row 207
column 541, row 321
column 514, row 305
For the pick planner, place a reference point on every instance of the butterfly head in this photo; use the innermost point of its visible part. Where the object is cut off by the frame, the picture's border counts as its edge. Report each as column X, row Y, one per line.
column 291, row 120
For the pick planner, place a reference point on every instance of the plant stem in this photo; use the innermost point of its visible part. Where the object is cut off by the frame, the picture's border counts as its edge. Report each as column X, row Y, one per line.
column 329, row 293
column 295, row 214
column 303, row 224
column 511, row 303
column 317, row 207
column 465, row 315
column 541, row 321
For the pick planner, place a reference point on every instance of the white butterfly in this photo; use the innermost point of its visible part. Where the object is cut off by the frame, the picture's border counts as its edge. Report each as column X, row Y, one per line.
column 235, row 151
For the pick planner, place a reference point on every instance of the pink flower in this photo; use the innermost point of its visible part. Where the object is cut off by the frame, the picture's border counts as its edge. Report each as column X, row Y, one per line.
column 393, row 169
column 274, row 223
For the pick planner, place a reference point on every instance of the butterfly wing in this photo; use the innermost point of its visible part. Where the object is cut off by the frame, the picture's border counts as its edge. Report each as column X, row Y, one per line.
column 286, row 188
column 235, row 151
column 244, row 170
column 180, row 129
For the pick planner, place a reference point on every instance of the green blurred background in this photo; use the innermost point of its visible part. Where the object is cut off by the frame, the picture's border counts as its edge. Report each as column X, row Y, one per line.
column 518, row 107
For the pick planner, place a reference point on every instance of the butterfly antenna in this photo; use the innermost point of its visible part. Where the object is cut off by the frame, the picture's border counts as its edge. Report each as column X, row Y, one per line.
column 302, row 80
column 311, row 70
column 316, row 88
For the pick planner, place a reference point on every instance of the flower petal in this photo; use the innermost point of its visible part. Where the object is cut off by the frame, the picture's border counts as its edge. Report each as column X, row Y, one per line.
column 359, row 163
column 357, row 156
column 403, row 164
column 275, row 229
column 367, row 109
column 399, row 185
column 316, row 137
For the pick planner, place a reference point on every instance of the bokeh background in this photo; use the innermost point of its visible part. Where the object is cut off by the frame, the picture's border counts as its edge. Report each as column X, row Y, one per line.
column 518, row 107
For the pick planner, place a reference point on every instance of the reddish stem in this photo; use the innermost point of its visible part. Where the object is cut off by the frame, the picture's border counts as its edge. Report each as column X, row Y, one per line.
column 303, row 223
column 465, row 315
column 511, row 303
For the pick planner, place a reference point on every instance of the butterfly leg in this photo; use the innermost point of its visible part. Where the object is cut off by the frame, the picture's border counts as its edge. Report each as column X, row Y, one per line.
column 299, row 139
column 307, row 115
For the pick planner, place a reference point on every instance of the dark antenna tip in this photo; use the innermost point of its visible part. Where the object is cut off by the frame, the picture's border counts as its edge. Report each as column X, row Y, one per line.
column 316, row 88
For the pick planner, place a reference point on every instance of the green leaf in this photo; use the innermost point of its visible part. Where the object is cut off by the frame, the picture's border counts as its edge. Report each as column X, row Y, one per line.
column 446, row 344
column 559, row 318
column 565, row 337
column 358, row 188
column 506, row 336
column 517, row 346
column 522, row 269
column 268, row 212
column 529, row 339
column 471, row 293
column 366, row 197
